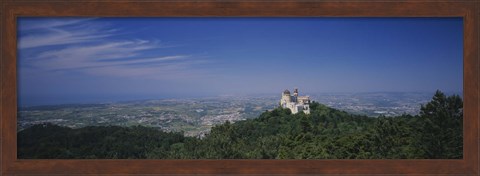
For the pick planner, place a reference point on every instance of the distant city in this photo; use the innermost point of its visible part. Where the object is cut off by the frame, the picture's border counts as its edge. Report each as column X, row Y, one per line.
column 195, row 116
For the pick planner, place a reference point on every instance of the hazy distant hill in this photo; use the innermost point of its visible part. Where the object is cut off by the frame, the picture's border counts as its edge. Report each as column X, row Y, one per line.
column 375, row 103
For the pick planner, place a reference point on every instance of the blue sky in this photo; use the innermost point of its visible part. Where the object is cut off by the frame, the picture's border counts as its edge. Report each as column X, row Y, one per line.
column 69, row 60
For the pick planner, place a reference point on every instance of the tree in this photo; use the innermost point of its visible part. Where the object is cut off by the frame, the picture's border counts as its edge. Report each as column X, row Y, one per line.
column 385, row 137
column 443, row 126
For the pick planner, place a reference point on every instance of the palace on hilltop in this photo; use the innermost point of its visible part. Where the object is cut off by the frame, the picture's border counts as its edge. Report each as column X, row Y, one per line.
column 295, row 103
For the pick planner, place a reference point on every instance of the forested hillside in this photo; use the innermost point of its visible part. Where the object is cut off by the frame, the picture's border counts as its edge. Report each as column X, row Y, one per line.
column 326, row 133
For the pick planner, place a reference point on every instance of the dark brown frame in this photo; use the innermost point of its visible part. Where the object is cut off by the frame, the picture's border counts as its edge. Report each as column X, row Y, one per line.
column 10, row 10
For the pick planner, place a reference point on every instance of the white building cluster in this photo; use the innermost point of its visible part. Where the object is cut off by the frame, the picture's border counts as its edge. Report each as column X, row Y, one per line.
column 295, row 103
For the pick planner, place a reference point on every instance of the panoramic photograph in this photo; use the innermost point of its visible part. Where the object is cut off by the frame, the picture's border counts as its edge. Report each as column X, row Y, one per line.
column 239, row 88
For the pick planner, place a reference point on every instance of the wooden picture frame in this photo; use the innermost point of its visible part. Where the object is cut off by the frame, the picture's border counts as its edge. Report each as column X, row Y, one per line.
column 10, row 10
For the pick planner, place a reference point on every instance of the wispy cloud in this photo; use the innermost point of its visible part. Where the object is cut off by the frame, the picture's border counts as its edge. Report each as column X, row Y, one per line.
column 34, row 24
column 60, row 32
column 88, row 47
column 88, row 55
column 58, row 37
